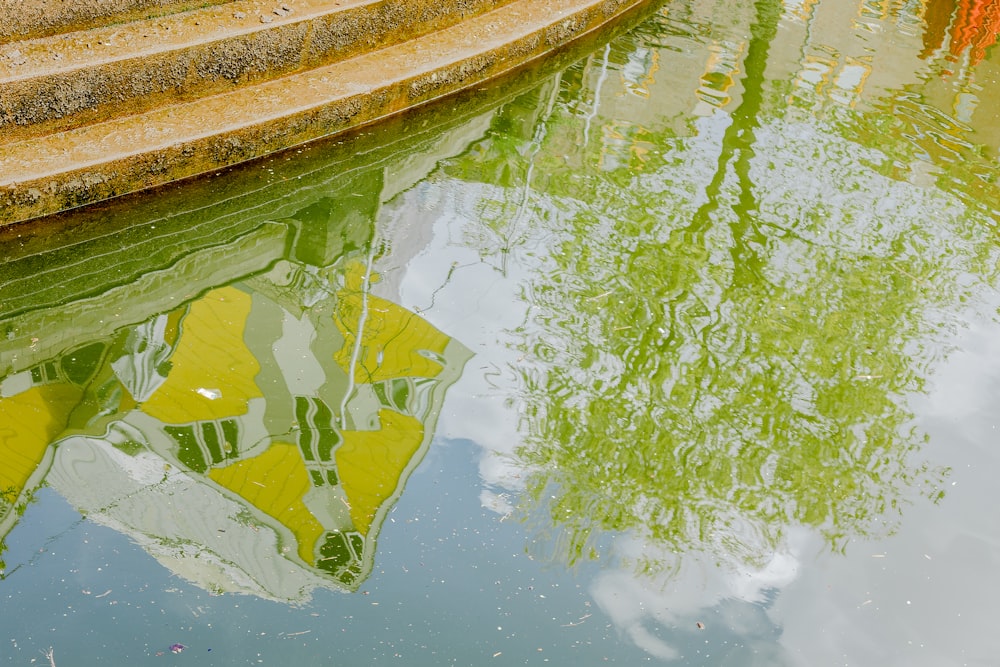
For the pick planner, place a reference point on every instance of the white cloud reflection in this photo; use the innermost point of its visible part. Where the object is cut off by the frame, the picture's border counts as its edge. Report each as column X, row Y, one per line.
column 690, row 594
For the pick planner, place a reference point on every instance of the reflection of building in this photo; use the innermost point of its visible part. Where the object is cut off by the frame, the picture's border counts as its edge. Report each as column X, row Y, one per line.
column 302, row 421
column 247, row 409
column 922, row 66
column 922, row 73
column 301, row 418
column 33, row 411
column 971, row 25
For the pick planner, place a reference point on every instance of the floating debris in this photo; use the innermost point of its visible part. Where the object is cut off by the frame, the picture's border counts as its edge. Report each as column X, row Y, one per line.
column 177, row 648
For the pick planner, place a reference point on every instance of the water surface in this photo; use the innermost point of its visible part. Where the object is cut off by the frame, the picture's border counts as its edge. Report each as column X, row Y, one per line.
column 681, row 349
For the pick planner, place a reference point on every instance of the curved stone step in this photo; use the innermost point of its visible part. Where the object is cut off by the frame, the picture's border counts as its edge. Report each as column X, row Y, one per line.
column 48, row 174
column 73, row 79
column 24, row 19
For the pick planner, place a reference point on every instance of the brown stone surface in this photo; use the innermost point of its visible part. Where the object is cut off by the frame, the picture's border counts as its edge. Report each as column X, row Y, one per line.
column 68, row 80
column 43, row 175
column 35, row 18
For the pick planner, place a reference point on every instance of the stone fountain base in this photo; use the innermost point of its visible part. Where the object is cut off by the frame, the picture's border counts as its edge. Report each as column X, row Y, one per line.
column 105, row 99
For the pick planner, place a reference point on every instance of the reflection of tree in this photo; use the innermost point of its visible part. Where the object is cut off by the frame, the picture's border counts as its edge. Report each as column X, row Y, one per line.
column 717, row 366
column 505, row 158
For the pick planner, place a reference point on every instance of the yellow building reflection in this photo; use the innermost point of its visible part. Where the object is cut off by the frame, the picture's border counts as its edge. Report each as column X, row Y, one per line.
column 252, row 440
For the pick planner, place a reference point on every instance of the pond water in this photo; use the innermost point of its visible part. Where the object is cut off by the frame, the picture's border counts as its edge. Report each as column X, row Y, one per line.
column 681, row 348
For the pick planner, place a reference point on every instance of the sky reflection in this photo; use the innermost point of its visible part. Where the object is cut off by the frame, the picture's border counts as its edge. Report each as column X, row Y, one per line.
column 720, row 300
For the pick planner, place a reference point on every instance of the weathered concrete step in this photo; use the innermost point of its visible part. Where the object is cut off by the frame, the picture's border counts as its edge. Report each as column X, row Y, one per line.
column 44, row 175
column 24, row 19
column 69, row 80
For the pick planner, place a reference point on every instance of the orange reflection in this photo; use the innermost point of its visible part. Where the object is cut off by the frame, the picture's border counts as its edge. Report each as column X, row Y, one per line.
column 974, row 25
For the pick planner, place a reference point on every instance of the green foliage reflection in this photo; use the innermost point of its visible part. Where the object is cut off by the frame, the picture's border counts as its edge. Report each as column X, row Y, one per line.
column 727, row 331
